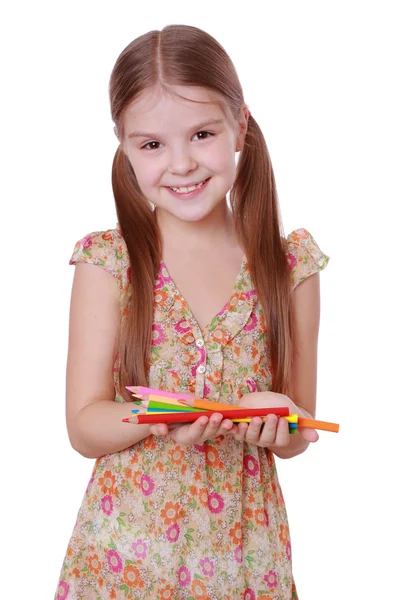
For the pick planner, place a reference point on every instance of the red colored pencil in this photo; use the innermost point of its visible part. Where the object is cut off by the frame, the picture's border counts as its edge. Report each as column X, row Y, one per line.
column 282, row 411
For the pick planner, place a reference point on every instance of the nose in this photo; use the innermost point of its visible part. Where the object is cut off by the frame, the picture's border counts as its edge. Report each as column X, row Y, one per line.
column 181, row 162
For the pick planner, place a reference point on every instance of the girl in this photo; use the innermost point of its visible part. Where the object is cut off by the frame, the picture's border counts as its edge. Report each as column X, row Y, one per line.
column 194, row 295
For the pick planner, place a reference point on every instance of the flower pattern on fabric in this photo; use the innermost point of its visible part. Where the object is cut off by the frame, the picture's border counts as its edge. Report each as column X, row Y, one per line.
column 200, row 522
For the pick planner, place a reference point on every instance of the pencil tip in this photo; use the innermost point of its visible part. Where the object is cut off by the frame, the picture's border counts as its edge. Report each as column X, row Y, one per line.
column 126, row 420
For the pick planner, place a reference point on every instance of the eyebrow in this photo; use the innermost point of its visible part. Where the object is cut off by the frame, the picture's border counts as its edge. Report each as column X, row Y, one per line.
column 134, row 134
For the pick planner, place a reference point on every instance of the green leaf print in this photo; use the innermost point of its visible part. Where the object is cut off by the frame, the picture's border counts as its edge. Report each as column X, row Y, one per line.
column 249, row 558
column 112, row 544
column 125, row 588
column 189, row 537
column 121, row 522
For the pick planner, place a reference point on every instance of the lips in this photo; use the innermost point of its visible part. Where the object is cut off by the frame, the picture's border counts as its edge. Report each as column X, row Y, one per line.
column 189, row 194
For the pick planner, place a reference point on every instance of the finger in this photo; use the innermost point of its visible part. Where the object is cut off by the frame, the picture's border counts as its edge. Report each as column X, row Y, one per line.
column 213, row 426
column 159, row 429
column 241, row 430
column 268, row 434
column 282, row 437
column 309, row 434
column 254, row 430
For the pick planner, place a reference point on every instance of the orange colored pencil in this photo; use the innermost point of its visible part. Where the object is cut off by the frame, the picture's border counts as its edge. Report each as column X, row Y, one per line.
column 208, row 405
column 314, row 424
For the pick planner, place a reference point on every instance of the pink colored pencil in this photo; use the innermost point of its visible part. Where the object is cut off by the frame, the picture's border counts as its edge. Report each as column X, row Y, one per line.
column 139, row 389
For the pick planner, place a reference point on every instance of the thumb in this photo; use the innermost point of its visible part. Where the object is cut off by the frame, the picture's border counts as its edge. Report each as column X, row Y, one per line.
column 310, row 435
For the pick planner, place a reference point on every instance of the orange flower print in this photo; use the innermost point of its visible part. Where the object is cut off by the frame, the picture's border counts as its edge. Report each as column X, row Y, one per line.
column 260, row 516
column 171, row 512
column 94, row 564
column 177, row 455
column 167, row 593
column 203, row 496
column 77, row 573
column 160, row 296
column 264, row 597
column 107, row 237
column 212, row 457
column 236, row 533
column 199, row 590
column 137, row 478
column 107, row 483
column 283, row 533
column 132, row 577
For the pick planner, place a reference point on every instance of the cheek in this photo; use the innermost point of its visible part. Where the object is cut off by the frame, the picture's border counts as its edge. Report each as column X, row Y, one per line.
column 147, row 172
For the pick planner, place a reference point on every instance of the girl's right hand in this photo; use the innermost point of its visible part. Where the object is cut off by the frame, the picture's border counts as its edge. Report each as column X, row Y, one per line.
column 197, row 432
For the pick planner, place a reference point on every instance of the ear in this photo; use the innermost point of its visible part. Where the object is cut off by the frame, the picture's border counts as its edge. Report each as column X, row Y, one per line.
column 243, row 124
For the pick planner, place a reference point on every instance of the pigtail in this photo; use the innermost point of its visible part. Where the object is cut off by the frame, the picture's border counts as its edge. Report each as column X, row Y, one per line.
column 258, row 225
column 140, row 232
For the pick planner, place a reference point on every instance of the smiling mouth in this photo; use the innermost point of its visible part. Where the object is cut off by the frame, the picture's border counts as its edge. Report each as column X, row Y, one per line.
column 191, row 188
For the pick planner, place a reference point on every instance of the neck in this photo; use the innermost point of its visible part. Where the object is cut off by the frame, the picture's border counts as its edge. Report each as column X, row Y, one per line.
column 216, row 227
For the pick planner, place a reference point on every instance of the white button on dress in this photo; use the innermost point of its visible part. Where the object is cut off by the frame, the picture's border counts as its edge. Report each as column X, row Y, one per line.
column 201, row 369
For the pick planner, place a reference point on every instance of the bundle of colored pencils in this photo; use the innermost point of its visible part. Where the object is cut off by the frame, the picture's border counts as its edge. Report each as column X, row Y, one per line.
column 180, row 408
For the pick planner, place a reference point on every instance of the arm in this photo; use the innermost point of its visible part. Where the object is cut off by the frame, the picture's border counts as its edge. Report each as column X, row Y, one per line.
column 303, row 388
column 94, row 419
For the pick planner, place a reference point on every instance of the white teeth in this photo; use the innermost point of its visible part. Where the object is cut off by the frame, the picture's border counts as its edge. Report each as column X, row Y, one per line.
column 185, row 190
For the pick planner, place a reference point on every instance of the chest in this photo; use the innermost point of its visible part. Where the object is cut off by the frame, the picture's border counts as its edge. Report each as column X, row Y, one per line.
column 206, row 283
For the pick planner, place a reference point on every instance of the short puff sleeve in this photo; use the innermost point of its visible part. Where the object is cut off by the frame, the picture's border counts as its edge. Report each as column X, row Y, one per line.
column 304, row 256
column 108, row 250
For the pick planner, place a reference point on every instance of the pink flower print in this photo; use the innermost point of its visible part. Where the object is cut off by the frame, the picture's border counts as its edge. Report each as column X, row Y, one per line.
column 172, row 532
column 266, row 517
column 251, row 385
column 291, row 261
column 238, row 554
column 271, row 579
column 182, row 326
column 200, row 448
column 107, row 504
column 114, row 561
column 158, row 335
column 164, row 273
column 288, row 550
column 184, row 576
column 251, row 323
column 207, row 390
column 87, row 242
column 207, row 567
column 215, row 503
column 139, row 548
column 63, row 589
column 147, row 485
column 202, row 360
column 251, row 465
column 249, row 594
column 223, row 309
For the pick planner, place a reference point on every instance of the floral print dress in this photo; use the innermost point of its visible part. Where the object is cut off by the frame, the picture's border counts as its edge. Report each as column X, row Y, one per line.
column 202, row 522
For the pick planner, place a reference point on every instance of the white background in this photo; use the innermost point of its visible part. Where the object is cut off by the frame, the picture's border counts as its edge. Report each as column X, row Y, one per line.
column 321, row 79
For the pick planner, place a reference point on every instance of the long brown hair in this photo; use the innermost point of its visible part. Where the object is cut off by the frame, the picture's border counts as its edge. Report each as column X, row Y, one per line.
column 185, row 55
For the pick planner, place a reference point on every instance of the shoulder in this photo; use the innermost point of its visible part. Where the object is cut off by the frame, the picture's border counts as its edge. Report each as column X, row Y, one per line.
column 106, row 249
column 304, row 256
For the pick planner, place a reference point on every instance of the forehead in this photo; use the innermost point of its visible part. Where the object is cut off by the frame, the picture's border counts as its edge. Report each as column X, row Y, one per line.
column 187, row 103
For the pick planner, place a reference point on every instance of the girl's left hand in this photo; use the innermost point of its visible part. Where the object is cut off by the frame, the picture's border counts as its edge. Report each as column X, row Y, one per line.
column 276, row 429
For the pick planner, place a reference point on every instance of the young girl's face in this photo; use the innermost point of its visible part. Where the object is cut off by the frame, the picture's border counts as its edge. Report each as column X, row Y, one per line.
column 172, row 142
